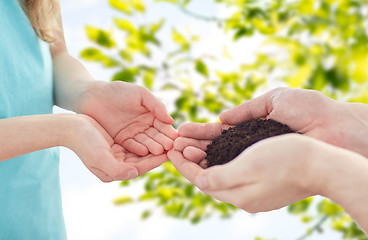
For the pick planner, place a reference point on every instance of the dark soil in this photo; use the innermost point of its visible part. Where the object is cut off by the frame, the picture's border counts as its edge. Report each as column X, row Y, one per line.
column 233, row 141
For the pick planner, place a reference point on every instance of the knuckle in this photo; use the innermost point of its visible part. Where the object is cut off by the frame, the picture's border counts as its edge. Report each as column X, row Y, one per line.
column 280, row 89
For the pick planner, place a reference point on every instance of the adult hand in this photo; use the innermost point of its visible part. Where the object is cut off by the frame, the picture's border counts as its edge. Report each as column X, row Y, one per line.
column 311, row 113
column 132, row 116
column 268, row 175
column 272, row 173
column 282, row 170
column 102, row 156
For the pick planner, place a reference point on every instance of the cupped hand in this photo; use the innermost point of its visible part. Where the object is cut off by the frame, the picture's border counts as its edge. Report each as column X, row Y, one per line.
column 132, row 116
column 194, row 138
column 103, row 157
column 270, row 174
column 311, row 113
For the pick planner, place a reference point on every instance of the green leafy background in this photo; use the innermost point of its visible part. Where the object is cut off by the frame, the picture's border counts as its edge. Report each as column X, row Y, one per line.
column 309, row 44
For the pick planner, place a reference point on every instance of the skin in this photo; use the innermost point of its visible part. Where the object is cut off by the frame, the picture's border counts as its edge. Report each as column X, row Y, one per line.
column 268, row 176
column 120, row 130
column 310, row 113
column 328, row 159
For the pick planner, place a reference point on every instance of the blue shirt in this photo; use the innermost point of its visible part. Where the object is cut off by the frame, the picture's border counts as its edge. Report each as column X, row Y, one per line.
column 30, row 196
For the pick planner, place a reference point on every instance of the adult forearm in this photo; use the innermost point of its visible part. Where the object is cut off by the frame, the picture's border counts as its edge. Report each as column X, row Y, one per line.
column 356, row 130
column 22, row 135
column 347, row 185
column 71, row 79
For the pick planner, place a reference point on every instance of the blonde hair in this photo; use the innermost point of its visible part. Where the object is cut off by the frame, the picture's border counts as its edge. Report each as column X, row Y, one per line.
column 43, row 16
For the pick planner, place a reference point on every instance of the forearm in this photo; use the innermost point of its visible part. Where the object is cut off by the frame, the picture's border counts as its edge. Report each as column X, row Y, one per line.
column 346, row 183
column 22, row 135
column 71, row 79
column 350, row 127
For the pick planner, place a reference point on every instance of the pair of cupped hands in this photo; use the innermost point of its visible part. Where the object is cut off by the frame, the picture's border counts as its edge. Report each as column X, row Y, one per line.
column 128, row 132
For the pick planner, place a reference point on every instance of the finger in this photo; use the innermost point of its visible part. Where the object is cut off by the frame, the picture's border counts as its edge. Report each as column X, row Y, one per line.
column 194, row 154
column 253, row 109
column 148, row 163
column 101, row 175
column 202, row 131
column 215, row 178
column 165, row 129
column 203, row 163
column 182, row 142
column 162, row 139
column 152, row 145
column 131, row 130
column 110, row 169
column 227, row 176
column 135, row 147
column 158, row 108
column 188, row 169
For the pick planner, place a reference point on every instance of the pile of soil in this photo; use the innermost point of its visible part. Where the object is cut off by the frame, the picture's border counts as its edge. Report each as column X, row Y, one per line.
column 233, row 141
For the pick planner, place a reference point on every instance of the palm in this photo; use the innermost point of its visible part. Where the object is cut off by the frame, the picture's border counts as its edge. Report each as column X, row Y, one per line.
column 135, row 120
column 110, row 161
column 132, row 117
column 143, row 164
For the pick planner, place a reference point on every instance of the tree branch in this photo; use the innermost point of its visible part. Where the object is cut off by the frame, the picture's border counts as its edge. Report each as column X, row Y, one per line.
column 316, row 227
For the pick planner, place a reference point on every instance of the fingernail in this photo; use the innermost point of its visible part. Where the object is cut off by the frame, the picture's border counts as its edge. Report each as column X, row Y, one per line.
column 203, row 182
column 132, row 174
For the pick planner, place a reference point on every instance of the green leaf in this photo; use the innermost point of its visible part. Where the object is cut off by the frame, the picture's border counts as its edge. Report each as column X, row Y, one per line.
column 125, row 183
column 306, row 219
column 146, row 214
column 243, row 32
column 138, row 5
column 170, row 86
column 157, row 26
column 301, row 206
column 99, row 36
column 185, row 2
column 125, row 25
column 122, row 6
column 95, row 55
column 126, row 56
column 196, row 219
column 91, row 54
column 169, row 1
column 201, row 67
column 329, row 208
column 179, row 39
column 123, row 200
column 149, row 78
column 127, row 75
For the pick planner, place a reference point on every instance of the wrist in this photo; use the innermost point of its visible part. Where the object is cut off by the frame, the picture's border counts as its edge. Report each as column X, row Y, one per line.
column 68, row 126
column 88, row 91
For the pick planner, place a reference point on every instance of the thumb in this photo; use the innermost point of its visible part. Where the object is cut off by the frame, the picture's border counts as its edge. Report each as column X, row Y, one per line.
column 115, row 169
column 158, row 108
column 222, row 177
column 253, row 109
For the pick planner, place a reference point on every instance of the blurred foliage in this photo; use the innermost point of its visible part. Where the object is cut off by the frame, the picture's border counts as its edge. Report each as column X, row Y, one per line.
column 310, row 44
